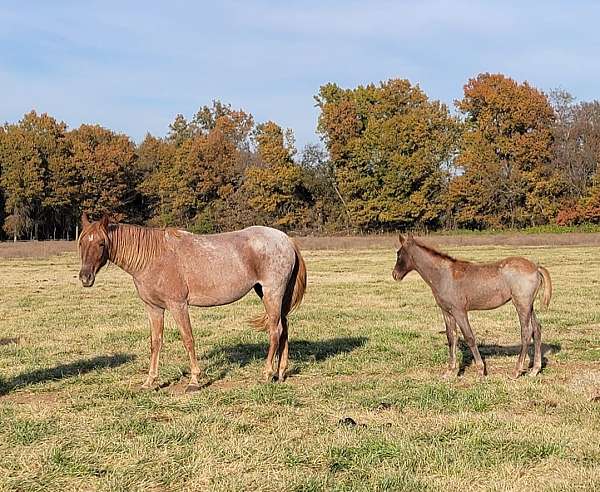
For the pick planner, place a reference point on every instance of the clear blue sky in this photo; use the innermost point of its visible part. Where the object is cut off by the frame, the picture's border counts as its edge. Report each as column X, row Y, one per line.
column 132, row 65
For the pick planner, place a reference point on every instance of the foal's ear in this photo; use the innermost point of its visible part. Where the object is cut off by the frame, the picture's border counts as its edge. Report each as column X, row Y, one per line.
column 85, row 221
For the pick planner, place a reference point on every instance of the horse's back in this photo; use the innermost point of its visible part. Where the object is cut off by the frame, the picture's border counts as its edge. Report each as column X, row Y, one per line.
column 220, row 268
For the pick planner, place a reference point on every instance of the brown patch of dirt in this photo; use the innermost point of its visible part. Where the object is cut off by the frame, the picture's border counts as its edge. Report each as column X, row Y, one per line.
column 35, row 249
column 22, row 398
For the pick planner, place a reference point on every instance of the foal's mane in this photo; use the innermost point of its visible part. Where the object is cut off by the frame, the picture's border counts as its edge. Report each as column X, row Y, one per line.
column 135, row 246
column 435, row 252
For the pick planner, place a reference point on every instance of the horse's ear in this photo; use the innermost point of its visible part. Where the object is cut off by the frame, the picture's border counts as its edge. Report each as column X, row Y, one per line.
column 85, row 221
column 401, row 239
column 104, row 222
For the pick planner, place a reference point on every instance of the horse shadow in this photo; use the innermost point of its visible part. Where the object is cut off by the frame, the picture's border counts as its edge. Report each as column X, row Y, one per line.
column 493, row 350
column 64, row 371
column 300, row 351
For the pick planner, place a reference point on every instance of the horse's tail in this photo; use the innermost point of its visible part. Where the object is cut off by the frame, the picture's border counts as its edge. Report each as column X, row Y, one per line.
column 294, row 292
column 547, row 282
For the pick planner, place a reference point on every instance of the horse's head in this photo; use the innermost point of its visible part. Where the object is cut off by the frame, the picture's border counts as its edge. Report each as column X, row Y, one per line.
column 404, row 262
column 94, row 245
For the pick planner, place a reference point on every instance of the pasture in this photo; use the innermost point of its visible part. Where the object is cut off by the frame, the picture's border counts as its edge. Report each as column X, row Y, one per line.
column 364, row 406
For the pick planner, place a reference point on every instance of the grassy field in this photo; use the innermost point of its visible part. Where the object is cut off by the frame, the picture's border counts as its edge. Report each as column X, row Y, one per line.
column 364, row 408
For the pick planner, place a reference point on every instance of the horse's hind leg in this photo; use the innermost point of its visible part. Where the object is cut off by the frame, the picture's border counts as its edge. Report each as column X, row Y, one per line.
column 463, row 322
column 537, row 340
column 283, row 350
column 273, row 303
column 452, row 337
column 526, row 332
column 182, row 318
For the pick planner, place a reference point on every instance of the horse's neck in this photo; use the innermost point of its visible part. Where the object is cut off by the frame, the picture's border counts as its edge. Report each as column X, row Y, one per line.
column 428, row 265
column 133, row 248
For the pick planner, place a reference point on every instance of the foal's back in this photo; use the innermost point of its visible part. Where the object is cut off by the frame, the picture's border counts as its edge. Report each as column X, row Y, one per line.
column 490, row 285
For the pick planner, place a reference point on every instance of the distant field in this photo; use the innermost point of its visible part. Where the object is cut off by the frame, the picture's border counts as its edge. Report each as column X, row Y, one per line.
column 43, row 249
column 362, row 347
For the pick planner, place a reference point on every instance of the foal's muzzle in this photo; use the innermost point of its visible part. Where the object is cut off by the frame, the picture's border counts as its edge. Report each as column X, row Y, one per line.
column 87, row 279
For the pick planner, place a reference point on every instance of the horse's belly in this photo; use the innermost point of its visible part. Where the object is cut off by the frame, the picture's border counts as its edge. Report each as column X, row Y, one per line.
column 205, row 294
column 488, row 299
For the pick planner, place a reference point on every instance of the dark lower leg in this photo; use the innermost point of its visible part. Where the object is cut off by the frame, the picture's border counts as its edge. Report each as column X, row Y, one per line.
column 463, row 322
column 537, row 339
column 283, row 350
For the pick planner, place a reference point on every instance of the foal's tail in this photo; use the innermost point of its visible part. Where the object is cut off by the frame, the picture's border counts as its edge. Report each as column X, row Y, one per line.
column 293, row 296
column 547, row 282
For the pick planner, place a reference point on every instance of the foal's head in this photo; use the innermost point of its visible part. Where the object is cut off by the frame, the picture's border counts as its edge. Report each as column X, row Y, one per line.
column 93, row 248
column 404, row 262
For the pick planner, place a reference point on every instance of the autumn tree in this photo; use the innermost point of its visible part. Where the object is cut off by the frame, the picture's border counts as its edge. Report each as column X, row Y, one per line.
column 390, row 147
column 105, row 165
column 36, row 183
column 506, row 179
column 274, row 185
column 195, row 180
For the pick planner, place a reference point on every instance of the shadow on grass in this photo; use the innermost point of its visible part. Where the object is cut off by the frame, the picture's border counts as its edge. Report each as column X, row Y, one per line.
column 64, row 371
column 493, row 350
column 243, row 354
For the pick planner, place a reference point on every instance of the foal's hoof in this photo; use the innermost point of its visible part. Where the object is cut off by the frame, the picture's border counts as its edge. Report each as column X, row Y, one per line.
column 149, row 387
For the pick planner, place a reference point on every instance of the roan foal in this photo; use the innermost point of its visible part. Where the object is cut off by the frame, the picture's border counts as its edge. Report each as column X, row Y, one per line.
column 461, row 286
column 174, row 269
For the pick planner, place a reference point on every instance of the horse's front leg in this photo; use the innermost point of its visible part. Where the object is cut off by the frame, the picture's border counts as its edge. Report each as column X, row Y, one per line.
column 182, row 318
column 452, row 337
column 156, row 315
column 462, row 320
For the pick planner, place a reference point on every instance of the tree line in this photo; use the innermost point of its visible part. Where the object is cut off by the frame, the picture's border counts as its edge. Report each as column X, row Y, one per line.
column 390, row 158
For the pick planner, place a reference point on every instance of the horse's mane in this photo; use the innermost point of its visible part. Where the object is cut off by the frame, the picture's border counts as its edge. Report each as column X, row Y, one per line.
column 135, row 246
column 435, row 252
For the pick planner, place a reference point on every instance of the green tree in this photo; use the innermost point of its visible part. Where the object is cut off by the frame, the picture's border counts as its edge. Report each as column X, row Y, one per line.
column 390, row 149
column 275, row 186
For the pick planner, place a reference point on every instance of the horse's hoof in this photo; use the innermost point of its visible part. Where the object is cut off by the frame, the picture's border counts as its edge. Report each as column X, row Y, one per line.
column 534, row 372
column 450, row 374
column 149, row 387
column 517, row 373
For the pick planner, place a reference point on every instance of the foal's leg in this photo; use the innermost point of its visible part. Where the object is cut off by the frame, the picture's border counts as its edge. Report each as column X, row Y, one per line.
column 156, row 315
column 452, row 342
column 272, row 303
column 182, row 318
column 462, row 320
column 283, row 350
column 526, row 332
column 537, row 340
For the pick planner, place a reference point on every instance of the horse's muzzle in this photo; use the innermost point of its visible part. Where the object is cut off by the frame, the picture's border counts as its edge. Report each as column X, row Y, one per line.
column 87, row 279
column 397, row 275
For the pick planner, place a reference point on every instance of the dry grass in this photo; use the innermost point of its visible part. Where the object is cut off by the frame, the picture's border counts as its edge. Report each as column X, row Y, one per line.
column 72, row 416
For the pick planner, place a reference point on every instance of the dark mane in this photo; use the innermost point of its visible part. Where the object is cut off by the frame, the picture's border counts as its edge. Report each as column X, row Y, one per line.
column 435, row 252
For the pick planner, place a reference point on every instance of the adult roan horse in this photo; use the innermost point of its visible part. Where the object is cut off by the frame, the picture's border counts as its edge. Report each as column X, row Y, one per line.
column 461, row 286
column 173, row 269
